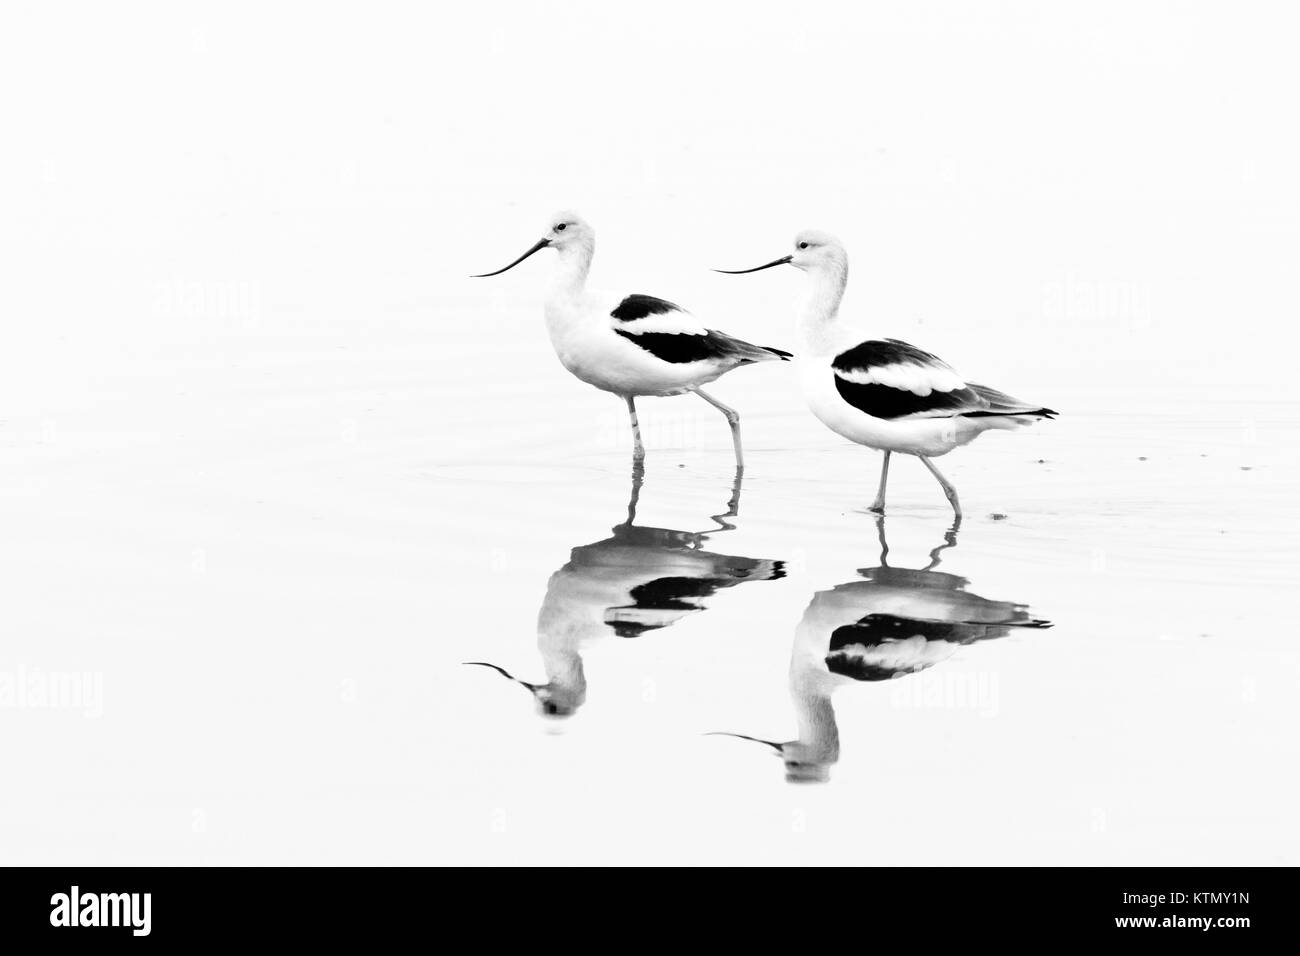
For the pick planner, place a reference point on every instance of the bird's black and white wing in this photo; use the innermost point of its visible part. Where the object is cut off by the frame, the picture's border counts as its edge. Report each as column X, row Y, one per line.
column 882, row 646
column 890, row 379
column 659, row 577
column 671, row 334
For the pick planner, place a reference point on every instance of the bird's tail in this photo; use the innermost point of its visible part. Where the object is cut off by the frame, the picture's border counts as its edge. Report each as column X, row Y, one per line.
column 763, row 353
column 755, row 569
column 1003, row 405
column 745, row 352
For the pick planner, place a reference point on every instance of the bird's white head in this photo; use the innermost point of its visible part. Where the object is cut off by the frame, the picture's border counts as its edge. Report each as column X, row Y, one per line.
column 559, row 701
column 814, row 251
column 806, row 763
column 566, row 229
column 566, row 232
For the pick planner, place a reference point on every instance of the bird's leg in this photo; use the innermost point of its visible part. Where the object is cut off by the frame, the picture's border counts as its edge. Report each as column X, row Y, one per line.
column 948, row 489
column 884, row 544
column 733, row 505
column 949, row 541
column 878, row 506
column 733, row 419
column 638, row 449
column 638, row 476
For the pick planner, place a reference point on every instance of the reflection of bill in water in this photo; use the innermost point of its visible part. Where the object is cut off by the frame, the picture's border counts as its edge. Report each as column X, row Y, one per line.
column 886, row 624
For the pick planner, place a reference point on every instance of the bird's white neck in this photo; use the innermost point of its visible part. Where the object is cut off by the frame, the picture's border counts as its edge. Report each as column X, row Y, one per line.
column 571, row 271
column 820, row 307
column 819, row 736
column 568, row 618
column 563, row 668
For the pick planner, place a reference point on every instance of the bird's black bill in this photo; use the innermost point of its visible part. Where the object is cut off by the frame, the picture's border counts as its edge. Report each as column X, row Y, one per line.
column 502, row 671
column 541, row 244
column 740, row 272
column 770, row 743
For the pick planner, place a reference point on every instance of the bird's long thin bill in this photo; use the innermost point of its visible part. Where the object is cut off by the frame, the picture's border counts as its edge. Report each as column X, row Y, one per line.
column 502, row 671
column 740, row 272
column 770, row 743
column 541, row 244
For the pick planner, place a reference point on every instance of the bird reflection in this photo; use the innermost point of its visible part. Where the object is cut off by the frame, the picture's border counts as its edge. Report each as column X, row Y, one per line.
column 887, row 623
column 637, row 580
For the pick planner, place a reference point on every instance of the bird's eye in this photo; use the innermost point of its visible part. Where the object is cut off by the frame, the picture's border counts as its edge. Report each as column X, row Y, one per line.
column 803, row 245
column 561, row 226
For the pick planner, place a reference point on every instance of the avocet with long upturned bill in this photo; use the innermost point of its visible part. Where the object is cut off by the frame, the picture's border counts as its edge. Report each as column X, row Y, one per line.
column 885, row 393
column 633, row 345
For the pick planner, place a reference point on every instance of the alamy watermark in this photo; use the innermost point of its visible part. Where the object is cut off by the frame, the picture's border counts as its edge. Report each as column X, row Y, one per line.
column 32, row 688
column 946, row 690
column 75, row 908
column 1076, row 298
column 221, row 300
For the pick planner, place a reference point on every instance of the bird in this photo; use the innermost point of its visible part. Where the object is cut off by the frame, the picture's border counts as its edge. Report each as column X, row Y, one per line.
column 884, row 393
column 884, row 624
column 640, row 579
column 632, row 345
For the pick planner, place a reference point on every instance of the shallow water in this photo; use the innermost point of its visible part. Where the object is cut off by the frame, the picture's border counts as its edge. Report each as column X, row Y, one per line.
column 278, row 572
column 272, row 468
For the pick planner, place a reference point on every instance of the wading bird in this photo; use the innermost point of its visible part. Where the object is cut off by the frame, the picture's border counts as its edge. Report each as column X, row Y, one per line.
column 632, row 345
column 884, row 393
column 887, row 623
column 640, row 579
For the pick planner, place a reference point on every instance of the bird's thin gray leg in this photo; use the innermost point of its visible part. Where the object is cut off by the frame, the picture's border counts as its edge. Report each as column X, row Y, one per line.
column 884, row 543
column 949, row 541
column 733, row 505
column 733, row 419
column 638, row 476
column 638, row 449
column 878, row 506
column 948, row 489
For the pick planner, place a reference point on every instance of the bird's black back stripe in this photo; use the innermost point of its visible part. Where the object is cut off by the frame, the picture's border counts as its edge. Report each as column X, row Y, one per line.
column 664, row 594
column 876, row 629
column 886, row 401
column 847, row 665
column 680, row 348
column 638, row 306
column 634, row 628
column 676, row 348
column 673, row 594
column 877, row 352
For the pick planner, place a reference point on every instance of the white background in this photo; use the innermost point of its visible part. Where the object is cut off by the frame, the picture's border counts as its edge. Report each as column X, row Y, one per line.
column 271, row 464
